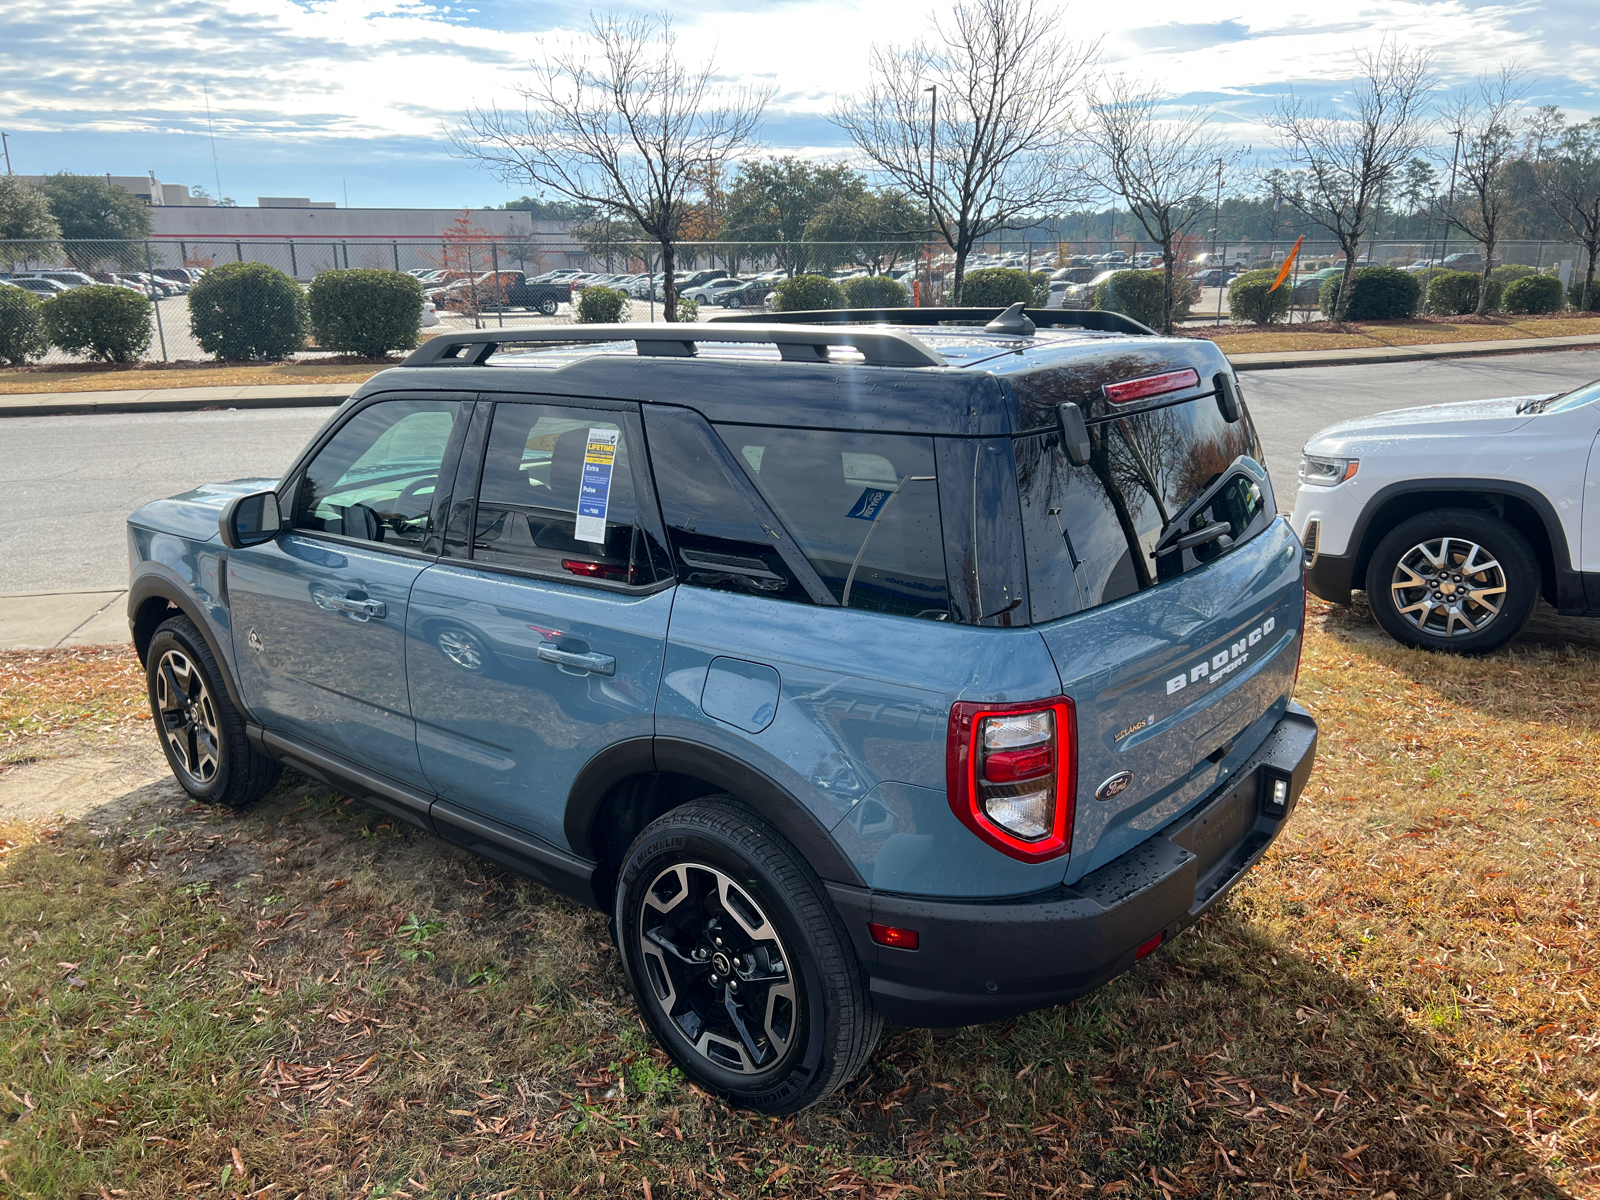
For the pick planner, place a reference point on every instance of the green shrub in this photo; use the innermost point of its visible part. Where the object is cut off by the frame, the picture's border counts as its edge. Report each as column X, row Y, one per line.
column 875, row 291
column 1376, row 294
column 1138, row 294
column 805, row 293
column 1533, row 294
column 365, row 312
column 688, row 310
column 1576, row 299
column 22, row 334
column 245, row 310
column 602, row 306
column 996, row 287
column 1250, row 300
column 1041, row 289
column 105, row 322
column 1507, row 275
column 1455, row 293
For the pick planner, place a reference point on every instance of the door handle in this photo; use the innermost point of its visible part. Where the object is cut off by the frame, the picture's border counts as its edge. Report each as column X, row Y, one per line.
column 597, row 664
column 360, row 608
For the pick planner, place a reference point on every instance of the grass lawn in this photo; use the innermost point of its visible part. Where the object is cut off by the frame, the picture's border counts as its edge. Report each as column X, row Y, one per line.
column 16, row 381
column 309, row 1000
column 1254, row 340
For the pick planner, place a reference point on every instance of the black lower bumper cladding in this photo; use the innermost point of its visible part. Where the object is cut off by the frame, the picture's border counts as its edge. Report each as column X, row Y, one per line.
column 990, row 959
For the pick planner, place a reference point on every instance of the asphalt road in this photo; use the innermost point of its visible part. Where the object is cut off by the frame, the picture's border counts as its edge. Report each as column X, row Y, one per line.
column 71, row 481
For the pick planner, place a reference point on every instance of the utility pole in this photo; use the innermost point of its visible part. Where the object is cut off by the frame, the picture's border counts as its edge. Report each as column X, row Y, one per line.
column 1449, row 205
column 933, row 137
column 6, row 143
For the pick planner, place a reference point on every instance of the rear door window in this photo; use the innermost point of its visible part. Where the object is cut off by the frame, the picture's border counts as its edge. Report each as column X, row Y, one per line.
column 864, row 509
column 1156, row 477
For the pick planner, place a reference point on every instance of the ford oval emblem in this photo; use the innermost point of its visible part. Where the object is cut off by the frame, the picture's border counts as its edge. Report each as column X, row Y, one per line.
column 1114, row 786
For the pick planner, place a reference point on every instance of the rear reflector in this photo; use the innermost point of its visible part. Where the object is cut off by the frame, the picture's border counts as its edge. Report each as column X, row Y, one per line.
column 890, row 935
column 1147, row 947
column 1151, row 385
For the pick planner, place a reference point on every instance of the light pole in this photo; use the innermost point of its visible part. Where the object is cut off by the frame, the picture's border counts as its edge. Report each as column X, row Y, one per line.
column 933, row 137
column 5, row 142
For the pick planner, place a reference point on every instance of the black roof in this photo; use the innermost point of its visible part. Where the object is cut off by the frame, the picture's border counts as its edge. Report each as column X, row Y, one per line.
column 943, row 380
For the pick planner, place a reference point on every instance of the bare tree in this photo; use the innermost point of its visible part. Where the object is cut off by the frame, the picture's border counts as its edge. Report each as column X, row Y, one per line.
column 1161, row 167
column 1350, row 155
column 627, row 126
column 991, row 145
column 1568, row 177
column 1486, row 117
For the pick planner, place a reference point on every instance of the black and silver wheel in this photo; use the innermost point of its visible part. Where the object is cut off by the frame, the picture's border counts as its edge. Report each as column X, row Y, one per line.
column 201, row 731
column 739, row 961
column 732, row 302
column 1453, row 579
column 549, row 306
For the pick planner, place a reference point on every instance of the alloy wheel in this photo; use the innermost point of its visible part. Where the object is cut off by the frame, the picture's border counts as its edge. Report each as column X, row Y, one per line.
column 188, row 715
column 1448, row 587
column 717, row 967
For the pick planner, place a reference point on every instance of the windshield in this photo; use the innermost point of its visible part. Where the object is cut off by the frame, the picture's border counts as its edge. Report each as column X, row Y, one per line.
column 1563, row 401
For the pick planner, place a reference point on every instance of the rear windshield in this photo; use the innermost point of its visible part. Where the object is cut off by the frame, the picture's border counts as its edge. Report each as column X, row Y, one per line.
column 1097, row 533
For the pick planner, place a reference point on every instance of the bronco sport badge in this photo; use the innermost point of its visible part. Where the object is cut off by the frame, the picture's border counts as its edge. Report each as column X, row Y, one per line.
column 1223, row 662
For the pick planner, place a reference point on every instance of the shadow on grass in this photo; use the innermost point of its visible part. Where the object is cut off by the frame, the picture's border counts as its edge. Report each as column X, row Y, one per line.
column 312, row 996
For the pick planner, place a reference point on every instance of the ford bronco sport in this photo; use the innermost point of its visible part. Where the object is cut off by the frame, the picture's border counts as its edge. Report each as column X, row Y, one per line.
column 859, row 665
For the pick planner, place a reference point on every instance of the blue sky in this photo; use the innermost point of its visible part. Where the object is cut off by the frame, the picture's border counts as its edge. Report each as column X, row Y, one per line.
column 329, row 98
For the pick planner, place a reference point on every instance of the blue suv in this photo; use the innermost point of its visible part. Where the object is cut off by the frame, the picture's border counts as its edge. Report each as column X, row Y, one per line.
column 860, row 665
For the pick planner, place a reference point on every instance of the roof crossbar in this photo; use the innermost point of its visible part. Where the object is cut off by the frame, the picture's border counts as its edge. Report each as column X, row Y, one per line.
column 879, row 347
column 1044, row 318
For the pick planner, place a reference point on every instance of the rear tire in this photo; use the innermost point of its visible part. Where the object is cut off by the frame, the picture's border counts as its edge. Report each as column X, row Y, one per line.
column 738, row 960
column 201, row 731
column 1455, row 579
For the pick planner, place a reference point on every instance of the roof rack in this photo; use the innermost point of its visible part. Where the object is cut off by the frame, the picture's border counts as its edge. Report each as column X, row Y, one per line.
column 879, row 347
column 1045, row 318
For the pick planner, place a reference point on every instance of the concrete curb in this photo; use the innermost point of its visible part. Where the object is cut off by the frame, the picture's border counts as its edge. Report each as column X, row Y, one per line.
column 329, row 395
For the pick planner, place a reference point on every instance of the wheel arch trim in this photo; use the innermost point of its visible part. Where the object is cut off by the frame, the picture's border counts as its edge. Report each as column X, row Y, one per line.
column 150, row 586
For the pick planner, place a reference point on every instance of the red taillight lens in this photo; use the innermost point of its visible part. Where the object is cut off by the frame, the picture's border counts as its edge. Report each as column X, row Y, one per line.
column 1011, row 772
column 1151, row 385
column 890, row 935
column 594, row 570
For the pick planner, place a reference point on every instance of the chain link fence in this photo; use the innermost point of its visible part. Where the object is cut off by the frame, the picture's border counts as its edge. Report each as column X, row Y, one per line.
column 471, row 283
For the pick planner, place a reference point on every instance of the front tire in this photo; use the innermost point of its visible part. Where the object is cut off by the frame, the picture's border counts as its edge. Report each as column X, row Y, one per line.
column 739, row 962
column 1455, row 579
column 549, row 307
column 201, row 731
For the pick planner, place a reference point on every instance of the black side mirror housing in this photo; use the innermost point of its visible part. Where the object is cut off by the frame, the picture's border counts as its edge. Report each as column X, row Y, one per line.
column 250, row 520
column 1228, row 397
column 1074, row 433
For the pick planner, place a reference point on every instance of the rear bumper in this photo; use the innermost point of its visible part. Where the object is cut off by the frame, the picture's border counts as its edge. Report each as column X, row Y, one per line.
column 990, row 959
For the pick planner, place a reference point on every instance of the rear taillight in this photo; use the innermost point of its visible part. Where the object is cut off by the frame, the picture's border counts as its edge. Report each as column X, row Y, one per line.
column 1011, row 771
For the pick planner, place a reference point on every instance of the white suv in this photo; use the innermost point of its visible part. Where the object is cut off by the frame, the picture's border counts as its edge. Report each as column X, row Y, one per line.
column 1455, row 518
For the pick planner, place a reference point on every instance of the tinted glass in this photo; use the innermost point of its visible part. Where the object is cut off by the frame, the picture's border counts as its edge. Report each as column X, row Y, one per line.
column 557, row 496
column 1103, row 531
column 375, row 479
column 863, row 507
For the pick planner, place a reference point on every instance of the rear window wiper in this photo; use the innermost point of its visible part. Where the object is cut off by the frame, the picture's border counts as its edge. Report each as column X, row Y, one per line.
column 1176, row 537
column 1217, row 531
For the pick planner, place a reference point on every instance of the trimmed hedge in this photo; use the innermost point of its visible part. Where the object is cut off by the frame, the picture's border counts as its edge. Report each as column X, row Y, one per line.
column 246, row 310
column 601, row 306
column 365, row 312
column 875, row 291
column 1533, row 294
column 805, row 293
column 1376, row 294
column 105, row 322
column 1041, row 289
column 1578, row 301
column 996, row 287
column 22, row 334
column 1507, row 275
column 1249, row 298
column 688, row 311
column 1455, row 294
column 1138, row 294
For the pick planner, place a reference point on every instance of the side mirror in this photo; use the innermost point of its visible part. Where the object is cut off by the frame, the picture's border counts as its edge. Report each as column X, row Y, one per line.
column 1228, row 397
column 250, row 520
column 1074, row 434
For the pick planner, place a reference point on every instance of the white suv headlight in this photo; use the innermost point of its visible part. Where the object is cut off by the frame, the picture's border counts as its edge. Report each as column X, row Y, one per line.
column 1327, row 472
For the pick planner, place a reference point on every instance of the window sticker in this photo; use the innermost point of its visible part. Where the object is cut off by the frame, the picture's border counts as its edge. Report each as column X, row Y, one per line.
column 870, row 504
column 594, row 487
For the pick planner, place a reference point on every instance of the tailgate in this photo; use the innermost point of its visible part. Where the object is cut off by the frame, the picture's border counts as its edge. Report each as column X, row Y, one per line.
column 1175, row 686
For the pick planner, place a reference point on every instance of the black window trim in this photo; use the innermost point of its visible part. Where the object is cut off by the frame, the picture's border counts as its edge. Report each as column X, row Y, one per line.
column 646, row 509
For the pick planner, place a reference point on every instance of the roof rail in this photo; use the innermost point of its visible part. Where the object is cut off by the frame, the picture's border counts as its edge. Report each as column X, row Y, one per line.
column 880, row 347
column 1045, row 318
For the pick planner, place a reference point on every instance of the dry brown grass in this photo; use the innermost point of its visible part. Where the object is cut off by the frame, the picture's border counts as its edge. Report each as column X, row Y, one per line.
column 1398, row 1002
column 48, row 692
column 1324, row 335
column 16, row 381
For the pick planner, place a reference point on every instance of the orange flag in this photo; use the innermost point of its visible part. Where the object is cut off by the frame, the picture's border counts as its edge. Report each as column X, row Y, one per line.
column 1288, row 265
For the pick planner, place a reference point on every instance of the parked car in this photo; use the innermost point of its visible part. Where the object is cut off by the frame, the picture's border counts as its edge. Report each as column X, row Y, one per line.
column 1081, row 295
column 1455, row 518
column 744, row 677
column 43, row 288
column 430, row 314
column 750, row 293
column 712, row 290
column 505, row 289
column 67, row 279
